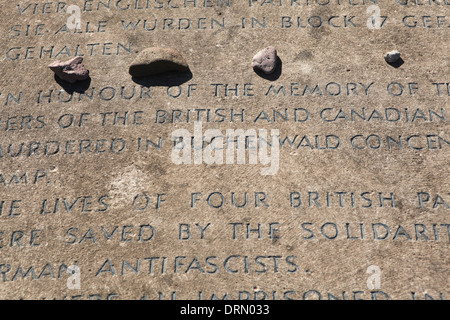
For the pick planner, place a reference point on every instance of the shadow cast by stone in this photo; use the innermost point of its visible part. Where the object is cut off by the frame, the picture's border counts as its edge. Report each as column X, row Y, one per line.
column 167, row 79
column 273, row 76
column 397, row 64
column 79, row 86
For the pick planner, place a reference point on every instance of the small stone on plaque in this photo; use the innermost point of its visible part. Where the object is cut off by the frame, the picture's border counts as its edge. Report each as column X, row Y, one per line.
column 392, row 56
column 152, row 61
column 71, row 71
column 265, row 60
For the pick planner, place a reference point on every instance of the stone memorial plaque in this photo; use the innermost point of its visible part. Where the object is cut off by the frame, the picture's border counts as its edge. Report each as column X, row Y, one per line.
column 224, row 149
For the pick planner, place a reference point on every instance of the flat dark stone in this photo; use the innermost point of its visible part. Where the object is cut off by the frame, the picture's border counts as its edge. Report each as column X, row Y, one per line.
column 153, row 61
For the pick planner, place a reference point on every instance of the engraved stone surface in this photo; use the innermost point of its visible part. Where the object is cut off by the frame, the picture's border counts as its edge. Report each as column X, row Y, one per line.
column 328, row 179
column 153, row 61
column 71, row 71
column 265, row 60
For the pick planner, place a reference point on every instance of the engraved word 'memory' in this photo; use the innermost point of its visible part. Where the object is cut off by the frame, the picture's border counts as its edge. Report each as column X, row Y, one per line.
column 209, row 147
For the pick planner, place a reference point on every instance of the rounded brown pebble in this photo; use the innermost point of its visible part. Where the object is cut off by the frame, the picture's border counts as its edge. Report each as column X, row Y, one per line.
column 71, row 71
column 265, row 60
